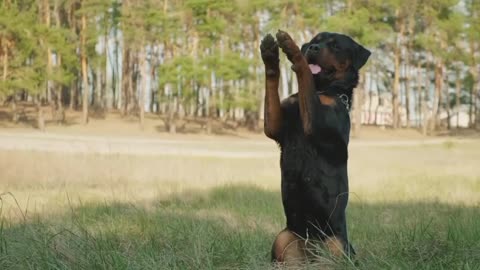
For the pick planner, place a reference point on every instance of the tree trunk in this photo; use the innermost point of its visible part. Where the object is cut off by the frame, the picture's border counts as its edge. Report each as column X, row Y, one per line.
column 74, row 87
column 475, row 104
column 14, row 109
column 428, row 118
column 153, row 105
column 97, row 95
column 171, row 120
column 59, row 111
column 370, row 95
column 357, row 104
column 407, row 89
column 424, row 113
column 418, row 107
column 211, row 103
column 4, row 78
column 458, row 87
column 143, row 87
column 375, row 119
column 118, row 72
column 221, row 98
column 58, row 90
column 40, row 116
column 395, row 90
column 84, row 70
column 107, row 96
column 474, row 95
column 470, row 109
column 445, row 103
column 5, row 60
column 396, row 79
column 449, row 115
column 410, row 32
column 51, row 98
column 356, row 112
column 126, row 80
column 437, row 99
column 73, row 91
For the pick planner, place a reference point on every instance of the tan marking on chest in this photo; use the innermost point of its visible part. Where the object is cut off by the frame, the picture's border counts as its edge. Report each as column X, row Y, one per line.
column 326, row 100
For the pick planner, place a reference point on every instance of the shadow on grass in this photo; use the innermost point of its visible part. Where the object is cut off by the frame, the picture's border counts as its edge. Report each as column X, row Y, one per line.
column 232, row 228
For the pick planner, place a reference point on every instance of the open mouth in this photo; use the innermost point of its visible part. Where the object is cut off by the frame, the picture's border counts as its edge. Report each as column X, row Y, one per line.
column 315, row 69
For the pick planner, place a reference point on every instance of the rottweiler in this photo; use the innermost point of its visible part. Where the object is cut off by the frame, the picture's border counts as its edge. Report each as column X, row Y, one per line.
column 312, row 128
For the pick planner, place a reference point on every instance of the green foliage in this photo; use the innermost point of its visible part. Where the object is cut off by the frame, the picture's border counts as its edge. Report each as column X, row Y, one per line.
column 363, row 24
column 233, row 66
column 28, row 42
column 189, row 43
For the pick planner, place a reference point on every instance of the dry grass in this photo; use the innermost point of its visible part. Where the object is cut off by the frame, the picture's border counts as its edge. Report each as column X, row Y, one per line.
column 412, row 207
column 43, row 180
column 446, row 173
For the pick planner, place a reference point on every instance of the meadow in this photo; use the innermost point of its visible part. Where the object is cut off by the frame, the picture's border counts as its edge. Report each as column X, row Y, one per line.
column 411, row 207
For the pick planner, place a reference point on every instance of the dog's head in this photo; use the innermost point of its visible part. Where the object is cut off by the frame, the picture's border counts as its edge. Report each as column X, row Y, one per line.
column 334, row 57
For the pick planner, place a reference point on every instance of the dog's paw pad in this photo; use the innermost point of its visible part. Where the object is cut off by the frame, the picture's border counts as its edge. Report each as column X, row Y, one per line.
column 268, row 43
column 269, row 50
column 283, row 36
column 288, row 46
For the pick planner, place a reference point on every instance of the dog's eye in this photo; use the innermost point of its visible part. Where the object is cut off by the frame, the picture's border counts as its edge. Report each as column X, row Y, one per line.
column 334, row 46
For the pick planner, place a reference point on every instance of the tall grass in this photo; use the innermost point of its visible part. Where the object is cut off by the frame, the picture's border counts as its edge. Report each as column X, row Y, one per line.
column 411, row 208
column 232, row 227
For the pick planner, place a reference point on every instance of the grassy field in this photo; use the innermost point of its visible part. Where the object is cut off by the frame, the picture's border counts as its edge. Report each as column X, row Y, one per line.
column 411, row 207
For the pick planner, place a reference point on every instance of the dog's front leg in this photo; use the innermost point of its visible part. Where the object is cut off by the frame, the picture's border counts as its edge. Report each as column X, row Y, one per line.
column 307, row 97
column 272, row 111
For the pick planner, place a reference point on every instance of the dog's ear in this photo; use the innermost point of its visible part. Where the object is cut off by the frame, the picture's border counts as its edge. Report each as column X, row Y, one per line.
column 304, row 48
column 360, row 57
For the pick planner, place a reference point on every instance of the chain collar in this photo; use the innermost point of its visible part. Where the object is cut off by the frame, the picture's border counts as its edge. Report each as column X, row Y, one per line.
column 344, row 99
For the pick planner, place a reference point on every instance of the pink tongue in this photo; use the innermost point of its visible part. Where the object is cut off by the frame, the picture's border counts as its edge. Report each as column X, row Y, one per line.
column 315, row 68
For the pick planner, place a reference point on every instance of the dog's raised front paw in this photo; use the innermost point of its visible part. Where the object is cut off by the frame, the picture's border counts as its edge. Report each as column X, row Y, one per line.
column 269, row 52
column 288, row 46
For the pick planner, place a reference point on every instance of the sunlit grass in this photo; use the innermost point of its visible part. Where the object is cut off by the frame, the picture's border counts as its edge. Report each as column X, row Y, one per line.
column 414, row 207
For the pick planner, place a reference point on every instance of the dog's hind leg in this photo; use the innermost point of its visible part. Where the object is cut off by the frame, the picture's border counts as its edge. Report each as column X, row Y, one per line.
column 335, row 246
column 288, row 248
column 272, row 111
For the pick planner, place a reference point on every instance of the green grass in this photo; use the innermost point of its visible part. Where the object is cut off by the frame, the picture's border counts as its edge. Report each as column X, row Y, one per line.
column 232, row 227
column 415, row 207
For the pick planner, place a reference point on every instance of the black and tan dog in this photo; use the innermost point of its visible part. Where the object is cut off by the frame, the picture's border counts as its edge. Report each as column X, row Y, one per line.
column 312, row 128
